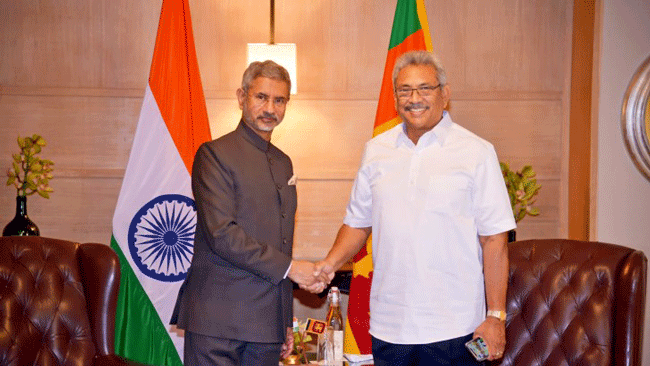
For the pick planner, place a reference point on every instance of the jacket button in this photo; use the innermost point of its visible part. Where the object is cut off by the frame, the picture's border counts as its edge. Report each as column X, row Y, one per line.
column 284, row 241
column 279, row 187
column 284, row 215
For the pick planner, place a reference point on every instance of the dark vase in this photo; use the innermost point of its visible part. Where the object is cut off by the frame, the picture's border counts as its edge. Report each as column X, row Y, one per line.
column 512, row 236
column 21, row 225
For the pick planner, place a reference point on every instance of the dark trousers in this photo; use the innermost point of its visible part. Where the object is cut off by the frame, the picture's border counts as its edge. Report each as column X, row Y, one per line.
column 449, row 352
column 201, row 350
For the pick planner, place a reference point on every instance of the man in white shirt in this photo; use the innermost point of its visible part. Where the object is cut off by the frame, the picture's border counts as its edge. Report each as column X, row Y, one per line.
column 433, row 197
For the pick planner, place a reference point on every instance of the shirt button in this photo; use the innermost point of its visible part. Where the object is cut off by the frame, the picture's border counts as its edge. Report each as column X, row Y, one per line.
column 271, row 161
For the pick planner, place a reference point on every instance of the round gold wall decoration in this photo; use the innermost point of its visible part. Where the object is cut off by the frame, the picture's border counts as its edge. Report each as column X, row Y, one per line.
column 635, row 118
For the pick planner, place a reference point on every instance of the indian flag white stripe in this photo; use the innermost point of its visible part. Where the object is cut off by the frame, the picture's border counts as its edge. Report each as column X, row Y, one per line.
column 155, row 168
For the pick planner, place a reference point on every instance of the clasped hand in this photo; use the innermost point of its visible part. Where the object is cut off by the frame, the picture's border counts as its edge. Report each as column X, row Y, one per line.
column 313, row 277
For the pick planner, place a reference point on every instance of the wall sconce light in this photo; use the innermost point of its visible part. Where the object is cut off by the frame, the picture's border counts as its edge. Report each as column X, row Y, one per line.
column 282, row 53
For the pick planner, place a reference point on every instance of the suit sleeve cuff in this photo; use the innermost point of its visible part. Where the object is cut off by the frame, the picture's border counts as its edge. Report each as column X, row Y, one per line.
column 288, row 269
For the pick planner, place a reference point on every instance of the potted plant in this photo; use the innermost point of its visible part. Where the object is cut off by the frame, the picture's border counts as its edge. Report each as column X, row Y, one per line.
column 29, row 174
column 522, row 188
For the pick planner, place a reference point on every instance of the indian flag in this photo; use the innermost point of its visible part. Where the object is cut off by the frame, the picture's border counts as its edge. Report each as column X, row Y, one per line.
column 410, row 32
column 155, row 217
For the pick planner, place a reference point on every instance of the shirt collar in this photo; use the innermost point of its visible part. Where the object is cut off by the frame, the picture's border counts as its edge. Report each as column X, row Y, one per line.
column 438, row 133
column 252, row 137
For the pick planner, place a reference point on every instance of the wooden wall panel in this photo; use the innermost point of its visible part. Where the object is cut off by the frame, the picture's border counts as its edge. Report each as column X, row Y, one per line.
column 77, row 43
column 343, row 48
column 498, row 45
column 501, row 45
column 514, row 45
column 321, row 208
column 83, row 133
column 81, row 209
column 523, row 132
column 75, row 72
column 89, row 139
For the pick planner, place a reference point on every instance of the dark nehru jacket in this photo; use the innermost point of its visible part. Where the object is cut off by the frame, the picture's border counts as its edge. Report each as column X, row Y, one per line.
column 246, row 209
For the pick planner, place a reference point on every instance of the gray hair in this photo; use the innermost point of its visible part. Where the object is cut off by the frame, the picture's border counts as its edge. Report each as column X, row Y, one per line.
column 420, row 58
column 267, row 69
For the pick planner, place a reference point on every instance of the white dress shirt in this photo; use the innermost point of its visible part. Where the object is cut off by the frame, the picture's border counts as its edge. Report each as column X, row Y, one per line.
column 427, row 204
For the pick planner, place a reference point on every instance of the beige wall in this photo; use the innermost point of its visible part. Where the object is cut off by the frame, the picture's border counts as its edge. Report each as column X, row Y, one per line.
column 622, row 196
column 75, row 72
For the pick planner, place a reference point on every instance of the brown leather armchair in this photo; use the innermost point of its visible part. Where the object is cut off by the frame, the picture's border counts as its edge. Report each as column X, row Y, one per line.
column 574, row 303
column 57, row 302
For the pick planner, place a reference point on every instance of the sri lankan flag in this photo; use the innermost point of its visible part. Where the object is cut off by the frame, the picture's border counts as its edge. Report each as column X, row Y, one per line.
column 410, row 32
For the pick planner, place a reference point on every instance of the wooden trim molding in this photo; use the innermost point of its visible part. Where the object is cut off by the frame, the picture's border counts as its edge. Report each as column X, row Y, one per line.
column 579, row 179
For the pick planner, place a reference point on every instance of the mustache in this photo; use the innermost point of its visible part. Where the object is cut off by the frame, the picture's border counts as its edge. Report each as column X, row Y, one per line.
column 410, row 107
column 269, row 115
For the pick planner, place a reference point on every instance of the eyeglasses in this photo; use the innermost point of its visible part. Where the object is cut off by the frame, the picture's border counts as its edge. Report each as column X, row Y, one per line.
column 261, row 98
column 423, row 91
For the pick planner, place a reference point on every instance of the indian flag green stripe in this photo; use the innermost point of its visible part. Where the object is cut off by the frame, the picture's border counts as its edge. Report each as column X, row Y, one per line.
column 406, row 22
column 135, row 310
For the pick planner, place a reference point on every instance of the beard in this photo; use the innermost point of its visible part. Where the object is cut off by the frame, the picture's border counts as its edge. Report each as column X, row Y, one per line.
column 259, row 123
column 266, row 126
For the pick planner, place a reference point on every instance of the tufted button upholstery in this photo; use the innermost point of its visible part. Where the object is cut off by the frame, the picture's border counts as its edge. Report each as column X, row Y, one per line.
column 57, row 302
column 574, row 303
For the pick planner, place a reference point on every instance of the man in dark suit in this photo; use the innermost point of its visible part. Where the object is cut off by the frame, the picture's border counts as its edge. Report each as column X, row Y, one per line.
column 236, row 302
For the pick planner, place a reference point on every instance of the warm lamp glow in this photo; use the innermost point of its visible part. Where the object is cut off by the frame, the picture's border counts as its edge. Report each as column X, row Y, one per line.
column 283, row 54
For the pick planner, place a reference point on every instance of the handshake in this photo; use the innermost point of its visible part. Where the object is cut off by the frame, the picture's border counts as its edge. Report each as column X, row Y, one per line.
column 313, row 277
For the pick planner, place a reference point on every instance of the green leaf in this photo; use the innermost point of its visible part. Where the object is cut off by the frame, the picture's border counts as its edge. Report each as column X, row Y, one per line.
column 520, row 215
column 533, row 189
column 519, row 186
column 11, row 181
column 21, row 142
column 504, row 167
column 31, row 185
column 527, row 172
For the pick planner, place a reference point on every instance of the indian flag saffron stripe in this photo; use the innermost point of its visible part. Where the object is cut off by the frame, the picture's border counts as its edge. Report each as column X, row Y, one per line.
column 155, row 218
column 410, row 32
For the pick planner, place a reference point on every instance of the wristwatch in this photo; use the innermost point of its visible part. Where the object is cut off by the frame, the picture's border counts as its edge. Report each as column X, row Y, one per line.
column 501, row 315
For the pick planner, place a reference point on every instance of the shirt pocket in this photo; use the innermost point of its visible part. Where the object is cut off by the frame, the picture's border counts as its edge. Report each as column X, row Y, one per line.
column 448, row 194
